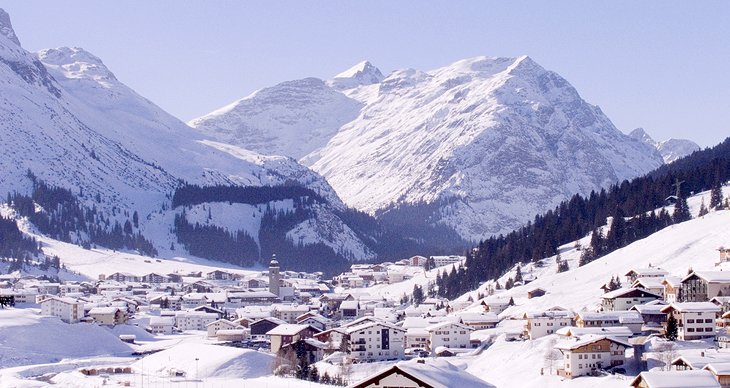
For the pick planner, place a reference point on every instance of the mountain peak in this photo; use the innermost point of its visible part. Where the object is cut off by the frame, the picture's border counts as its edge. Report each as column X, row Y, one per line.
column 75, row 62
column 363, row 73
column 671, row 149
column 641, row 135
column 6, row 28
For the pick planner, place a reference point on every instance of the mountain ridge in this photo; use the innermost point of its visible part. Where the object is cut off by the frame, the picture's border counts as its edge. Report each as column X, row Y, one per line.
column 496, row 139
column 671, row 149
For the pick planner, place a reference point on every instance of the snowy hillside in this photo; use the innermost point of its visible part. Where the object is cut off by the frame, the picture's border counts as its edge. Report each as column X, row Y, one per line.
column 67, row 118
column 293, row 118
column 671, row 149
column 481, row 145
column 677, row 248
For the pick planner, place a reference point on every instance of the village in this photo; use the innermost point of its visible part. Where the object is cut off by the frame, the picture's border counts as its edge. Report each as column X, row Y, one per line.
column 372, row 315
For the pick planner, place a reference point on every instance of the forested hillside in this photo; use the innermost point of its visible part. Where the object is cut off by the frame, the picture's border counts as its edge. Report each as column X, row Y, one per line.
column 579, row 216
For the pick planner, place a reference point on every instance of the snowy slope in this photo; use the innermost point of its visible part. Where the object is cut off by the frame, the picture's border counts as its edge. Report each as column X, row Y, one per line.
column 293, row 118
column 503, row 137
column 671, row 149
column 29, row 338
column 692, row 244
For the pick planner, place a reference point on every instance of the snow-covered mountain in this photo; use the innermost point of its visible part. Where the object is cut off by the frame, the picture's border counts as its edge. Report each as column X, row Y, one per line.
column 68, row 119
column 364, row 73
column 293, row 118
column 484, row 144
column 671, row 149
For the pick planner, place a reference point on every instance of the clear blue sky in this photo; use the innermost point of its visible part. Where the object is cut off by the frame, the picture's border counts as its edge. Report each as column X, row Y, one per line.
column 661, row 65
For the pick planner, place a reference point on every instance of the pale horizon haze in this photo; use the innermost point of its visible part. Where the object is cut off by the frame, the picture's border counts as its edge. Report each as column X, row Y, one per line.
column 663, row 66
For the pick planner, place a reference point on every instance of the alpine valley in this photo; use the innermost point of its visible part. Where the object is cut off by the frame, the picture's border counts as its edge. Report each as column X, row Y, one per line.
column 425, row 162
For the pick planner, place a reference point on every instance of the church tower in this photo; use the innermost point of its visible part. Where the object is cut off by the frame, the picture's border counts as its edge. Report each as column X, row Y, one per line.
column 274, row 276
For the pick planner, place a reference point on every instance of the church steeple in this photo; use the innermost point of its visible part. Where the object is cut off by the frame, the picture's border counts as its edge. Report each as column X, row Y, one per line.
column 274, row 277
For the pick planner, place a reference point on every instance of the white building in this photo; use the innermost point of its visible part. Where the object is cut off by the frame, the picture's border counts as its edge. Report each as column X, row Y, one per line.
column 162, row 325
column 590, row 353
column 630, row 319
column 194, row 320
column 547, row 322
column 450, row 335
column 479, row 321
column 440, row 261
column 108, row 315
column 640, row 273
column 289, row 313
column 376, row 341
column 695, row 320
column 68, row 309
column 221, row 324
column 624, row 299
column 622, row 333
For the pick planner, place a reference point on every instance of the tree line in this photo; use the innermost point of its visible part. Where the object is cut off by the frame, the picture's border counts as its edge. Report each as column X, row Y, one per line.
column 64, row 218
column 189, row 195
column 580, row 215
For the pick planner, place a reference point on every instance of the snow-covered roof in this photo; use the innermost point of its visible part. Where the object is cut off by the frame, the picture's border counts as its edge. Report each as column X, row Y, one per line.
column 643, row 309
column 201, row 314
column 588, row 339
column 692, row 307
column 673, row 281
column 103, row 310
column 606, row 315
column 628, row 293
column 443, row 325
column 677, row 379
column 478, row 317
column 719, row 368
column 240, row 331
column 711, row 276
column 287, row 329
column 436, row 373
column 349, row 305
column 654, row 271
column 352, row 329
column 62, row 299
column 162, row 321
column 549, row 314
column 223, row 322
column 649, row 282
column 271, row 319
column 615, row 331
column 720, row 299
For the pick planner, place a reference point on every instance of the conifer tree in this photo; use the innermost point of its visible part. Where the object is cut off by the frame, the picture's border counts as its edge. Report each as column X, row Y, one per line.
column 716, row 196
column 509, row 284
column 518, row 274
column 681, row 210
column 672, row 328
